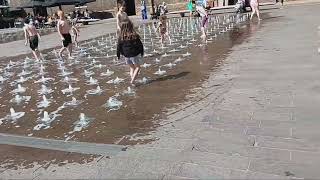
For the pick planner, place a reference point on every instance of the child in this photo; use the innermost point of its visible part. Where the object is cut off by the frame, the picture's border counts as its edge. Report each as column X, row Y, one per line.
column 163, row 29
column 203, row 13
column 32, row 36
column 190, row 7
column 75, row 33
column 64, row 28
column 254, row 4
column 121, row 15
column 131, row 47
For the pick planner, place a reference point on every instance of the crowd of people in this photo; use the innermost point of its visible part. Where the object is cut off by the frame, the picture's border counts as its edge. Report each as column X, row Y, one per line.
column 129, row 42
column 52, row 20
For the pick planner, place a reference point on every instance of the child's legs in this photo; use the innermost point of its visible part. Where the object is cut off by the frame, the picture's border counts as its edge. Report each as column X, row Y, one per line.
column 61, row 51
column 167, row 35
column 69, row 48
column 136, row 72
column 131, row 70
column 258, row 13
column 253, row 11
column 35, row 54
column 162, row 38
column 75, row 39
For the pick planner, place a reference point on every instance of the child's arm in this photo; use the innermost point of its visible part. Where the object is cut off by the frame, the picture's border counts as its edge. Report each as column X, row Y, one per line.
column 59, row 31
column 141, row 47
column 118, row 21
column 38, row 34
column 158, row 28
column 118, row 49
column 76, row 30
column 26, row 36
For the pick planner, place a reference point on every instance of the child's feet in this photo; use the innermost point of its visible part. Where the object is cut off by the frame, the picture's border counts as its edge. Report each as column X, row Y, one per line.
column 133, row 84
column 203, row 36
column 60, row 55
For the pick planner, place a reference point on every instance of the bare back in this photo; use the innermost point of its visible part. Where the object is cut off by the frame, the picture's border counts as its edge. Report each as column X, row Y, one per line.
column 64, row 26
column 31, row 30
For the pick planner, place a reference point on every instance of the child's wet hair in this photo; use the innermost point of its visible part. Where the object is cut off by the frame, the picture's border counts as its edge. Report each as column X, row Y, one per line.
column 26, row 21
column 127, row 31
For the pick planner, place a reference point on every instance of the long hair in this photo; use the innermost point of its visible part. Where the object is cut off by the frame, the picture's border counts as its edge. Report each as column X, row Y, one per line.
column 127, row 31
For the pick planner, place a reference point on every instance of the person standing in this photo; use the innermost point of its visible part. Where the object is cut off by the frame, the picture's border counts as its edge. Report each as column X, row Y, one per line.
column 32, row 37
column 131, row 47
column 254, row 4
column 144, row 10
column 64, row 28
column 162, row 27
column 190, row 7
column 121, row 15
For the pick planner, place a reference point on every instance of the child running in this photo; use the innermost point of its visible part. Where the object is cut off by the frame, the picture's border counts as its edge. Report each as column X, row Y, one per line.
column 75, row 33
column 162, row 27
column 131, row 47
column 32, row 37
column 64, row 28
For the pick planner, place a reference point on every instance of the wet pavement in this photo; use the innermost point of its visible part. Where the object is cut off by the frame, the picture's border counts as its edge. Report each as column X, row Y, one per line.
column 47, row 110
column 242, row 106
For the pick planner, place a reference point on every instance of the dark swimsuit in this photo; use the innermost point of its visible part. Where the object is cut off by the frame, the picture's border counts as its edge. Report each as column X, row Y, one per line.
column 67, row 40
column 34, row 41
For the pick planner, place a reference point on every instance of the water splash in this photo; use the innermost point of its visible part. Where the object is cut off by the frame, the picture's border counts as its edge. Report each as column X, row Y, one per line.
column 82, row 123
column 145, row 65
column 144, row 80
column 186, row 54
column 160, row 72
column 44, row 103
column 44, row 80
column 44, row 90
column 13, row 116
column 116, row 81
column 129, row 91
column 19, row 89
column 113, row 104
column 19, row 99
column 96, row 91
column 69, row 90
column 169, row 65
column 73, row 102
column 107, row 73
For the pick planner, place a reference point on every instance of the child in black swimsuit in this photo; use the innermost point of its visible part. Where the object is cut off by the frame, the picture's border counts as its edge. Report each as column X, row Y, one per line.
column 32, row 36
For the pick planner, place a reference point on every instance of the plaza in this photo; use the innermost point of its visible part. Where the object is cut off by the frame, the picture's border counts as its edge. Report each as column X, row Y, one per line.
column 241, row 105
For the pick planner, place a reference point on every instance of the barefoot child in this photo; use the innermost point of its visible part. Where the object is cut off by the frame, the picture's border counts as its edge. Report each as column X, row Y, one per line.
column 131, row 47
column 162, row 27
column 254, row 4
column 32, row 37
column 75, row 34
column 64, row 28
column 203, row 13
